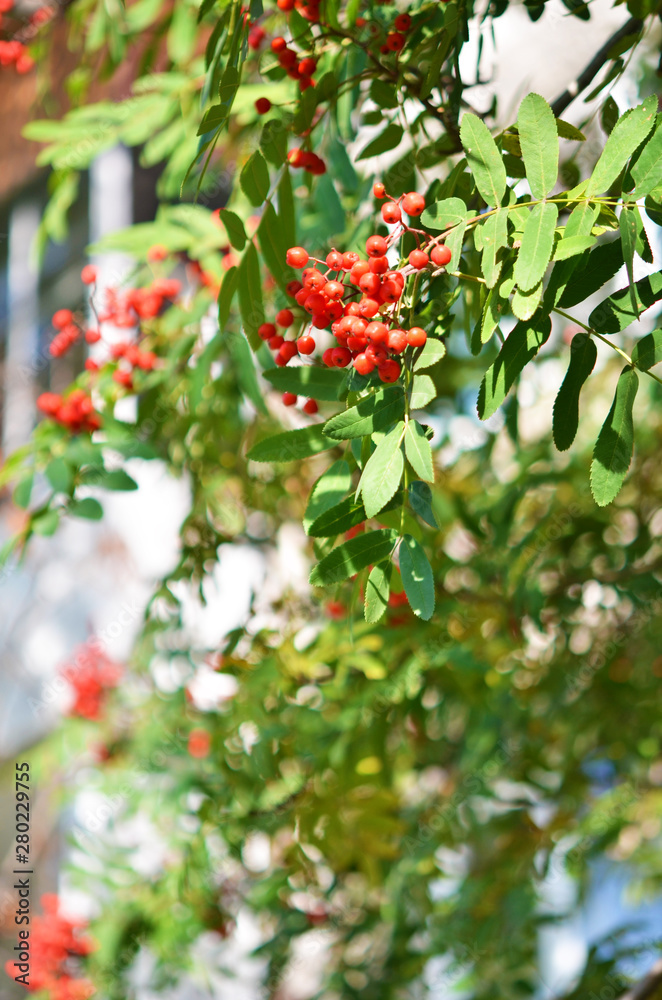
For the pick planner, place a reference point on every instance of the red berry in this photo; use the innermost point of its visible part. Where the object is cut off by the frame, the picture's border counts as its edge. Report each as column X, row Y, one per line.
column 289, row 399
column 293, row 287
column 297, row 257
column 369, row 283
column 356, row 343
column 88, row 275
column 266, row 331
column 402, row 22
column 306, row 345
column 310, row 406
column 157, row 252
column 440, row 256
column 285, row 5
column 334, row 290
column 315, row 303
column 416, row 337
column 278, row 44
column 363, row 364
column 307, row 66
column 389, row 370
column 378, row 190
column 92, row 336
column 341, row 357
column 287, row 58
column 376, row 246
column 285, row 318
column 296, row 157
column 360, row 268
column 313, row 279
column 327, row 357
column 413, row 203
column 334, row 260
column 395, row 42
column 199, row 743
column 378, row 265
column 321, row 320
column 391, row 290
column 397, row 341
column 377, row 353
column 262, row 105
column 419, row 259
column 349, row 259
column 288, row 350
column 275, row 343
column 359, row 326
column 391, row 213
column 315, row 165
column 368, row 308
column 62, row 318
column 376, row 332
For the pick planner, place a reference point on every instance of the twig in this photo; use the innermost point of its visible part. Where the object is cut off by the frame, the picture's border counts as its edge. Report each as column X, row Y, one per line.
column 646, row 987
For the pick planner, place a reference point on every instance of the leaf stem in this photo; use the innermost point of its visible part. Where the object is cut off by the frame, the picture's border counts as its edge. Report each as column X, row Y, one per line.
column 605, row 340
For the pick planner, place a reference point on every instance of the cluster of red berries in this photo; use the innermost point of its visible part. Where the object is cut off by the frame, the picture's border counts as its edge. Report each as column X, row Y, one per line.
column 91, row 674
column 359, row 299
column 54, row 941
column 75, row 411
column 395, row 40
column 15, row 54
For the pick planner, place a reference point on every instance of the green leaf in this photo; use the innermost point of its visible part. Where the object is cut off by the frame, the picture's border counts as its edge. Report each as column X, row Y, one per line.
column 598, row 267
column 444, row 214
column 117, row 479
column 521, row 346
column 567, row 131
column 494, row 234
column 377, row 592
column 46, row 523
column 423, row 391
column 383, row 471
column 420, row 501
column 615, row 444
column 254, row 178
column 327, row 492
column 226, row 296
column 234, row 227
column 524, row 304
column 630, row 130
column 617, row 311
column 273, row 246
column 455, row 243
column 539, row 140
column 583, row 354
column 60, row 475
column 627, row 223
column 581, row 220
column 537, row 244
column 433, row 350
column 250, row 295
column 417, row 578
column 388, row 139
column 243, row 361
column 88, row 508
column 419, row 451
column 647, row 171
column 346, row 514
column 372, row 413
column 648, row 351
column 642, row 245
column 273, row 141
column 291, row 445
column 308, row 380
column 484, row 158
column 350, row 557
column 571, row 246
column 23, row 492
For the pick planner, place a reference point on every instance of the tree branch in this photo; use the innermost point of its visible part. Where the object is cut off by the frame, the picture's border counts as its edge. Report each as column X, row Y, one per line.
column 631, row 27
column 646, row 987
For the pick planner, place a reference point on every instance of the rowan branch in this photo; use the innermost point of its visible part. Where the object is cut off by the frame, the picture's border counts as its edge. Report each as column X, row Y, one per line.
column 646, row 987
column 631, row 27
